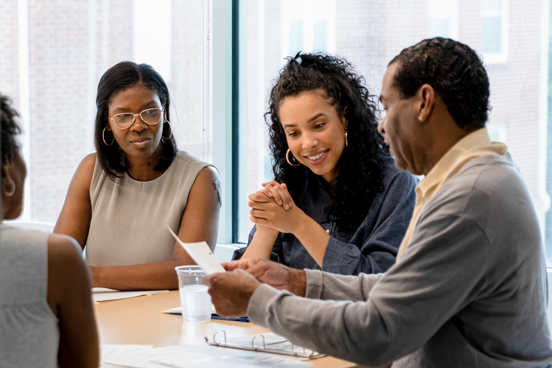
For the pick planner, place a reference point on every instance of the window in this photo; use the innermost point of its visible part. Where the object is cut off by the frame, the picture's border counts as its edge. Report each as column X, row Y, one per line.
column 53, row 55
column 495, row 31
column 369, row 34
column 443, row 18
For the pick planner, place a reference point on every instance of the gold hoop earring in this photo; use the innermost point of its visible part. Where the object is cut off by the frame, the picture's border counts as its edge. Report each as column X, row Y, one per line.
column 346, row 141
column 11, row 183
column 288, row 160
column 103, row 136
column 170, row 127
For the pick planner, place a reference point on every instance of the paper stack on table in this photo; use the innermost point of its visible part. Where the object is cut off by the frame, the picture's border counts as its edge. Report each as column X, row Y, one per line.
column 203, row 356
column 108, row 352
column 105, row 294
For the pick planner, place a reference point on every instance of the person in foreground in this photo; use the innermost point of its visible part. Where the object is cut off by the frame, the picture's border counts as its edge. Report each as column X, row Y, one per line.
column 338, row 203
column 46, row 313
column 122, row 198
column 469, row 287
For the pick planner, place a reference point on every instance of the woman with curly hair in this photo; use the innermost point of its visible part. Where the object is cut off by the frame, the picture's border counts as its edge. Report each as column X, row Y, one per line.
column 337, row 202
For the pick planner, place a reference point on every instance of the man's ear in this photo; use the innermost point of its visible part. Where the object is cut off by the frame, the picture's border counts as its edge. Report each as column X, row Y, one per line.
column 426, row 98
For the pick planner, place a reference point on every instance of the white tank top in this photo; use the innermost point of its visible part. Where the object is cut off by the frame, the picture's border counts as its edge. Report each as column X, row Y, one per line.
column 130, row 217
column 29, row 334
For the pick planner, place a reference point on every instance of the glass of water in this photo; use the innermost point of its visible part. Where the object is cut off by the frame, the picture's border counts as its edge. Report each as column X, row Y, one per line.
column 195, row 301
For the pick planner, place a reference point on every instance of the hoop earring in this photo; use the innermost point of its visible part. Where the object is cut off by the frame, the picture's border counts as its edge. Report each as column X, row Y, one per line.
column 103, row 136
column 346, row 141
column 11, row 183
column 288, row 160
column 170, row 127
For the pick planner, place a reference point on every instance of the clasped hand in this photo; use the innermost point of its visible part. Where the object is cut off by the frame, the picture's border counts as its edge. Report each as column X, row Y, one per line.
column 273, row 207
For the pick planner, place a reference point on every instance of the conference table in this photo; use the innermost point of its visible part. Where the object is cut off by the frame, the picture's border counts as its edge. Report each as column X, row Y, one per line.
column 140, row 321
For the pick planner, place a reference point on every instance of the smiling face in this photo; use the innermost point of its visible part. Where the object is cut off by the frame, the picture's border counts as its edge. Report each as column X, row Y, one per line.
column 140, row 140
column 314, row 132
column 398, row 124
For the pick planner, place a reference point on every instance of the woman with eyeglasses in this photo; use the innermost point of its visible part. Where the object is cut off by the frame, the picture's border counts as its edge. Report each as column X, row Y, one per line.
column 122, row 197
column 337, row 203
column 46, row 314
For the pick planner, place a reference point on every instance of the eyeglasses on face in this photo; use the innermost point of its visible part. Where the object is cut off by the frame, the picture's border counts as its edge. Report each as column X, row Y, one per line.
column 126, row 119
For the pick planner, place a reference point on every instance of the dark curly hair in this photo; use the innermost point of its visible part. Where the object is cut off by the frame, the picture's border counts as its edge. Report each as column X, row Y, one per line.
column 456, row 74
column 10, row 129
column 360, row 167
column 118, row 78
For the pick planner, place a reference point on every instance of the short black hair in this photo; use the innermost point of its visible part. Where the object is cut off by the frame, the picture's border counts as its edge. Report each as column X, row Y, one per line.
column 118, row 78
column 10, row 129
column 455, row 72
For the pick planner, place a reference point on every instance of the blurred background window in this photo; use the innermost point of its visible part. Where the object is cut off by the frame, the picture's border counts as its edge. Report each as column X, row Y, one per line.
column 53, row 53
column 511, row 36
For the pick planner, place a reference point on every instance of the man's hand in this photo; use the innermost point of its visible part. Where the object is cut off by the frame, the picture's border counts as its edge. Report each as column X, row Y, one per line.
column 231, row 292
column 274, row 274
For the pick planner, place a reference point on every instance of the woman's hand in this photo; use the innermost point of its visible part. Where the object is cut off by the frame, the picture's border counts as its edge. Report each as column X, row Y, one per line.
column 265, row 211
column 266, row 232
column 279, row 192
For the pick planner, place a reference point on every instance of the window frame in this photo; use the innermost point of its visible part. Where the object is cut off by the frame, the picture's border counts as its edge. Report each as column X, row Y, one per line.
column 501, row 57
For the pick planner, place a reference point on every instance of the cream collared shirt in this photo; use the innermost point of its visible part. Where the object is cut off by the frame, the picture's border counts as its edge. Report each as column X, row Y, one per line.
column 474, row 145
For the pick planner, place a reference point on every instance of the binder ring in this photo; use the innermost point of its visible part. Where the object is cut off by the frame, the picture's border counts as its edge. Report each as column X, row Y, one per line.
column 253, row 342
column 215, row 336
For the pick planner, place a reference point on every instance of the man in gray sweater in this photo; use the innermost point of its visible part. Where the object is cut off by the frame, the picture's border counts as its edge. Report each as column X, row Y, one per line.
column 469, row 288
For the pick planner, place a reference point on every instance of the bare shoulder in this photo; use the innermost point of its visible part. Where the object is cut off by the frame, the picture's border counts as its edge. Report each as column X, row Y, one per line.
column 64, row 254
column 89, row 160
column 86, row 167
column 207, row 174
column 208, row 182
column 67, row 271
column 83, row 176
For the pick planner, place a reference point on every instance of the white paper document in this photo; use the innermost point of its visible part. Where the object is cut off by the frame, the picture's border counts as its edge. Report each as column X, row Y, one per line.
column 105, row 294
column 201, row 254
column 205, row 357
column 178, row 310
column 109, row 352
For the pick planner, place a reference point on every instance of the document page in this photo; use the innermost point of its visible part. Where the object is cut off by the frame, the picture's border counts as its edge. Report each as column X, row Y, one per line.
column 201, row 254
column 105, row 294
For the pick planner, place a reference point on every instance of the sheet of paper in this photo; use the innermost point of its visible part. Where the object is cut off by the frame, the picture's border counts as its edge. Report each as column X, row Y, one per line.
column 206, row 357
column 201, row 254
column 178, row 310
column 109, row 352
column 104, row 294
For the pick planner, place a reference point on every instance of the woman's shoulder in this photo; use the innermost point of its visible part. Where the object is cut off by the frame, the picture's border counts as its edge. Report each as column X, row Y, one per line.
column 23, row 259
column 63, row 250
column 85, row 171
column 21, row 237
column 188, row 164
column 87, row 165
column 184, row 157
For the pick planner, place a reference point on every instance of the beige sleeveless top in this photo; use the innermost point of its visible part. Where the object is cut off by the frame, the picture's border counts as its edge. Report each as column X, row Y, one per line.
column 130, row 218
